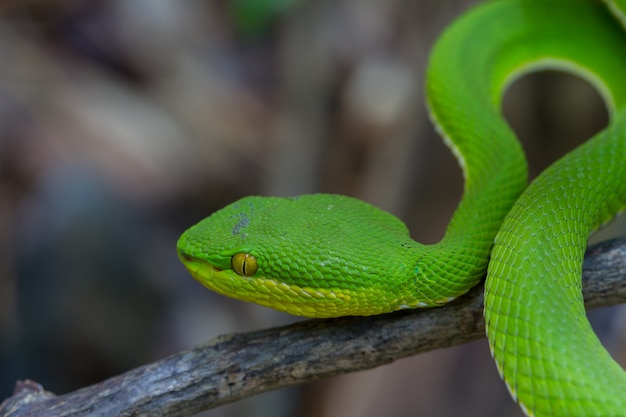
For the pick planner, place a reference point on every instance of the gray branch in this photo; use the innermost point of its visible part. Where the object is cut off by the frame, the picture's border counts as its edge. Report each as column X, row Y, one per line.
column 236, row 366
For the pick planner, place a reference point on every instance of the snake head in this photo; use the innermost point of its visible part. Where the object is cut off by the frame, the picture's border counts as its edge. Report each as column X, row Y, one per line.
column 308, row 256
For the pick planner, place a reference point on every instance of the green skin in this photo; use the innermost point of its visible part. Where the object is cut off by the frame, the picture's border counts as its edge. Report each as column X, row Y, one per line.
column 328, row 255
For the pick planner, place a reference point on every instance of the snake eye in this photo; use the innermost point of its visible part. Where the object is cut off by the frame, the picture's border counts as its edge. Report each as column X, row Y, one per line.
column 244, row 264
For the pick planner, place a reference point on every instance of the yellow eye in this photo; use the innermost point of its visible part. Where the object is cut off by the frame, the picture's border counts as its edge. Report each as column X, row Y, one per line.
column 244, row 264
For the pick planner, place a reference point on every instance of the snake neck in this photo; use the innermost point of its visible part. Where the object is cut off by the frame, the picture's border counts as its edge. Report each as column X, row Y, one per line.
column 448, row 269
column 491, row 157
column 488, row 151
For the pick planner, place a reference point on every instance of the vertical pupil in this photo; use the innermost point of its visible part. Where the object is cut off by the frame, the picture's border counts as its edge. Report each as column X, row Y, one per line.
column 244, row 264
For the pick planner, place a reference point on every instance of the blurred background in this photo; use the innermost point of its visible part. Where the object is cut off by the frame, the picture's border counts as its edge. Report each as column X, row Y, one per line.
column 124, row 122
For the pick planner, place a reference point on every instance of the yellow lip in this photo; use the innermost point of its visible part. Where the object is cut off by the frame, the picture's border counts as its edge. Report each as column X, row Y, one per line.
column 199, row 269
column 290, row 298
column 213, row 278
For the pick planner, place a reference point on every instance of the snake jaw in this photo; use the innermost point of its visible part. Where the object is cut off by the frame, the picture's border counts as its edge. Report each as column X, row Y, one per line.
column 290, row 298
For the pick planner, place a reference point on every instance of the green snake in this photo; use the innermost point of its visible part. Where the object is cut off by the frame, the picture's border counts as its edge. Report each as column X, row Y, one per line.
column 327, row 255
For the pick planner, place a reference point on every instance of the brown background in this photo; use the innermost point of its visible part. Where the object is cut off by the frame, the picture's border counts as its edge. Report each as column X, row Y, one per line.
column 122, row 123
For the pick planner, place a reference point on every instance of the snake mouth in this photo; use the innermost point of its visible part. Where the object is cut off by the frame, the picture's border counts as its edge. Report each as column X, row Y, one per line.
column 200, row 269
column 210, row 276
column 185, row 258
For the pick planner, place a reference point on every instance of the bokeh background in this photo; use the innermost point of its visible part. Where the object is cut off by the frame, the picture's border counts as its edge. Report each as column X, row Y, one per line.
column 124, row 122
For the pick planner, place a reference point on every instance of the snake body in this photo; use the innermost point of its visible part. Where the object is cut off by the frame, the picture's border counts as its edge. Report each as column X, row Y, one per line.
column 327, row 255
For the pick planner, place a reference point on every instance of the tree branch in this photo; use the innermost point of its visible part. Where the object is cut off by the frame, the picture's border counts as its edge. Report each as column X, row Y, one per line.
column 236, row 366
